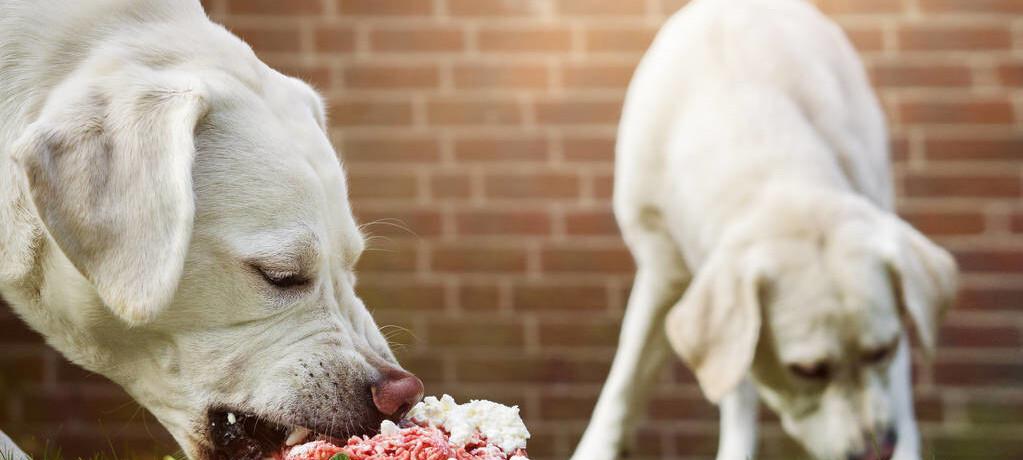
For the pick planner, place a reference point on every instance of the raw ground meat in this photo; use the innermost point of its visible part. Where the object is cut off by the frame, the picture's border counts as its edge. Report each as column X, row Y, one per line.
column 409, row 443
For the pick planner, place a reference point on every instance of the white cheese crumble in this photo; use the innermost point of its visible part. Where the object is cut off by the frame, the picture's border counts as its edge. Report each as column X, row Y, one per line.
column 500, row 424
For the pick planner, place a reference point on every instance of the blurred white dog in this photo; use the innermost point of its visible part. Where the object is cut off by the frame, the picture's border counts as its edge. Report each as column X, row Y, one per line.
column 172, row 216
column 754, row 190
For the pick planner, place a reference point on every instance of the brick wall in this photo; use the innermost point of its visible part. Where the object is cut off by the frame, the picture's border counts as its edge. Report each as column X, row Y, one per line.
column 478, row 136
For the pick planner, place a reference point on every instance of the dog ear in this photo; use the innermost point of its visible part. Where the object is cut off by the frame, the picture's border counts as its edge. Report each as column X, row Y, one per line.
column 715, row 327
column 923, row 276
column 108, row 164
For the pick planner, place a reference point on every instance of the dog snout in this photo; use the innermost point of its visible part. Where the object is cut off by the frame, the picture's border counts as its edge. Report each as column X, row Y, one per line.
column 396, row 392
column 878, row 447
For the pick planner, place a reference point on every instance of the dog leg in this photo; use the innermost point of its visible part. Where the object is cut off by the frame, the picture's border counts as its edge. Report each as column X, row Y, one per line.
column 738, row 437
column 899, row 374
column 642, row 350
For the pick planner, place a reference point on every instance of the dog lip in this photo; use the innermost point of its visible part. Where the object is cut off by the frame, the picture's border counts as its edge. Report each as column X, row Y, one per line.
column 234, row 434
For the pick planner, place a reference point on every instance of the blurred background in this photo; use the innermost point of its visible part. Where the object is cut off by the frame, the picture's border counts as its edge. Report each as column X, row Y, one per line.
column 479, row 134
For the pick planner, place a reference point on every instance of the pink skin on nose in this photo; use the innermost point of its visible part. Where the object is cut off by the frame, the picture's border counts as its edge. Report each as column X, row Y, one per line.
column 396, row 392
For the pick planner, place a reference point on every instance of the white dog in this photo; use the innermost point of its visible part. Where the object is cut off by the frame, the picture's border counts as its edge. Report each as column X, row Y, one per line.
column 753, row 188
column 174, row 218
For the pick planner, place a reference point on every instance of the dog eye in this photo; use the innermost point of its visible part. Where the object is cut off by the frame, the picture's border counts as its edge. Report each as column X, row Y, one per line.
column 283, row 280
column 815, row 371
column 877, row 356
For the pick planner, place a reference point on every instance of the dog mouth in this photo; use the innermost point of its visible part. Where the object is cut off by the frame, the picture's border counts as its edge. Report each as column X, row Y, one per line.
column 239, row 435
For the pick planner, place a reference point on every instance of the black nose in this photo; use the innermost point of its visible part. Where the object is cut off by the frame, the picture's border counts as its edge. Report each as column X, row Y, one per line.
column 878, row 448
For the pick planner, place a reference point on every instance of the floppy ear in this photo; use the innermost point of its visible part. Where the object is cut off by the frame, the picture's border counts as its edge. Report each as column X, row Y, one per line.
column 924, row 279
column 108, row 164
column 716, row 326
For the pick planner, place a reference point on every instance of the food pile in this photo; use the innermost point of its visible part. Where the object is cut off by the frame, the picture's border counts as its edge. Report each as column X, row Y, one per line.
column 435, row 429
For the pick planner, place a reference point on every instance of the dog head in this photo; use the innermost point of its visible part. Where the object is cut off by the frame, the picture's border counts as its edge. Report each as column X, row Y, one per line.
column 810, row 300
column 201, row 247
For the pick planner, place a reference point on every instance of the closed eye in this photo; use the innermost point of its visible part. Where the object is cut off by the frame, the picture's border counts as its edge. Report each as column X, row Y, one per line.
column 818, row 371
column 283, row 280
column 879, row 355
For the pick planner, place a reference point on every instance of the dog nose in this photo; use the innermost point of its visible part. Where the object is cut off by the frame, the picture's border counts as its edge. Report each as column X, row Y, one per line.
column 879, row 448
column 396, row 392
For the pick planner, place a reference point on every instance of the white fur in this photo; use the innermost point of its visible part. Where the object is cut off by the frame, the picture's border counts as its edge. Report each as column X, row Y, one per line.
column 754, row 190
column 150, row 167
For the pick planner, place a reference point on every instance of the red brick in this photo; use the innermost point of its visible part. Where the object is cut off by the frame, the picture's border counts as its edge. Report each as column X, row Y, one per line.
column 603, row 186
column 566, row 407
column 279, row 39
column 547, row 370
column 391, row 186
column 316, row 75
column 68, row 372
column 405, row 296
column 932, row 37
column 334, row 38
column 542, row 297
column 839, row 7
column 533, row 185
column 468, row 259
column 703, row 446
column 594, row 334
column 980, row 336
column 352, row 112
column 600, row 8
column 492, row 8
column 69, row 405
column 578, row 112
column 473, row 112
column 525, row 39
column 1016, row 222
column 1011, row 74
column 16, row 331
column 588, row 148
column 586, row 260
column 275, row 7
column 407, row 223
column 865, row 38
column 987, row 410
column 392, row 258
column 492, row 332
column 479, row 297
column 390, row 150
column 619, row 39
column 450, row 185
column 418, row 39
column 489, row 149
column 979, row 148
column 901, row 75
column 22, row 369
column 476, row 76
column 974, row 186
column 392, row 76
column 971, row 6
column 899, row 146
column 594, row 76
column 993, row 298
column 591, row 223
column 429, row 368
column 484, row 222
column 978, row 373
column 987, row 112
column 946, row 223
column 384, row 7
column 990, row 261
column 677, row 407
